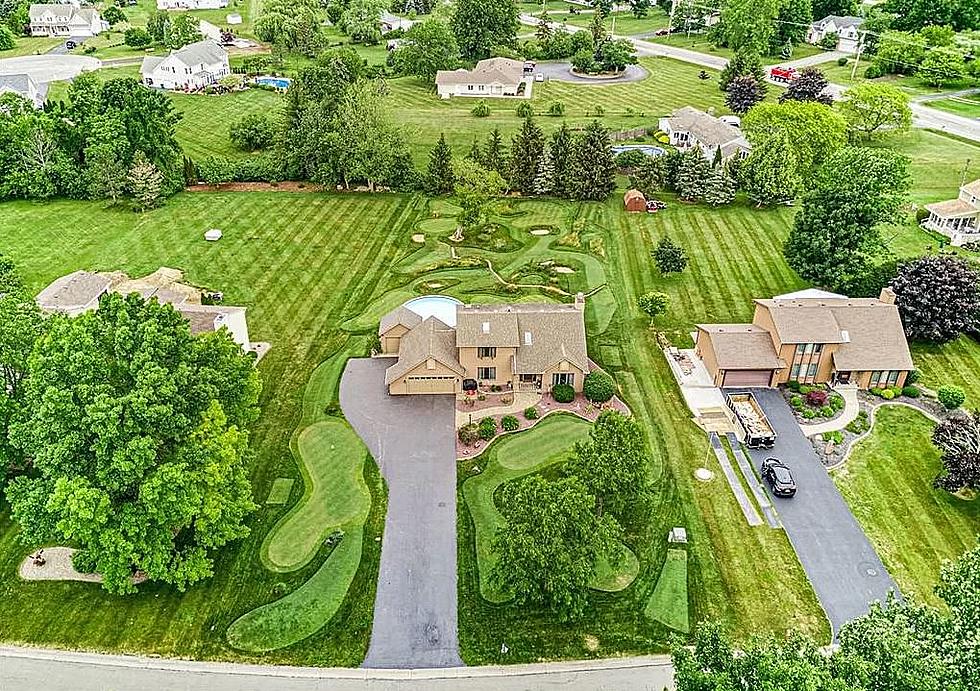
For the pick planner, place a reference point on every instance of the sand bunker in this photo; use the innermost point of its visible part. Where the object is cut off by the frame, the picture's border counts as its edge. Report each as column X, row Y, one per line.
column 58, row 567
column 564, row 270
column 419, row 238
column 540, row 231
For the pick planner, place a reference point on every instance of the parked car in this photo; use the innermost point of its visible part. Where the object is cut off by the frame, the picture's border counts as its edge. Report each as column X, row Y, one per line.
column 70, row 45
column 779, row 477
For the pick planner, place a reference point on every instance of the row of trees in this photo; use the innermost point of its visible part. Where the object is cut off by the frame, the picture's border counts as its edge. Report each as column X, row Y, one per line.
column 929, row 53
column 106, row 140
column 903, row 646
column 124, row 435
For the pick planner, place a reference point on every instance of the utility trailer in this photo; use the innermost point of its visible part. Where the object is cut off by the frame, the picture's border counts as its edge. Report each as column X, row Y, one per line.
column 757, row 432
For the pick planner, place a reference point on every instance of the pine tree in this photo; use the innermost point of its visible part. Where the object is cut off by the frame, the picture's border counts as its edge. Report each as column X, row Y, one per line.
column 720, row 189
column 439, row 175
column 475, row 154
column 145, row 182
column 495, row 153
column 692, row 175
column 716, row 161
column 526, row 149
column 770, row 172
column 593, row 173
column 560, row 155
column 744, row 62
column 106, row 173
column 544, row 183
column 669, row 256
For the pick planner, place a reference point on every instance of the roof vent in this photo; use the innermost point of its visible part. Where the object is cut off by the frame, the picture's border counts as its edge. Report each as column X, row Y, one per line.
column 845, row 337
column 486, row 327
column 527, row 338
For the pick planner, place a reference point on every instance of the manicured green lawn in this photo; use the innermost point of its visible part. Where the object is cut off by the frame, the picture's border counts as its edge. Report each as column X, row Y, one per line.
column 668, row 603
column 26, row 45
column 888, row 483
column 203, row 131
column 967, row 106
column 914, row 86
column 625, row 23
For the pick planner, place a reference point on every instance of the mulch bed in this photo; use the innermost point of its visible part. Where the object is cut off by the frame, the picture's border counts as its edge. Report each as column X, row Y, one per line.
column 255, row 187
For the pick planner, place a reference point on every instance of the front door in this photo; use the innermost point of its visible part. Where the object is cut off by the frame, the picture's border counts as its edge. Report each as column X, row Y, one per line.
column 843, row 377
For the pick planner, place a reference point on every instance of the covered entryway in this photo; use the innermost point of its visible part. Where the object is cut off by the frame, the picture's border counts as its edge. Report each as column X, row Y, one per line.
column 747, row 377
column 434, row 384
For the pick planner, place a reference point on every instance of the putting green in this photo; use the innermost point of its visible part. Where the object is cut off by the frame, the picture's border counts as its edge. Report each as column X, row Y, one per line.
column 668, row 603
column 332, row 461
column 304, row 611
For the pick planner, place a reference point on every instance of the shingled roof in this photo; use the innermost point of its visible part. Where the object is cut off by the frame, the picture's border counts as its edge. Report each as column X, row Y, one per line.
column 489, row 71
column 742, row 346
column 431, row 339
column 706, row 128
column 401, row 316
column 76, row 291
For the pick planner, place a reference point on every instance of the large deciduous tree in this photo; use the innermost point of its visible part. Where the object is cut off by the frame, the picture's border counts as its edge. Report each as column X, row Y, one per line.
column 810, row 84
column 613, row 464
column 748, row 24
column 547, row 551
column 835, row 236
column 873, row 108
column 482, row 25
column 361, row 20
column 138, row 433
column 814, row 131
column 958, row 440
column 475, row 189
column 938, row 297
column 430, row 46
column 771, row 173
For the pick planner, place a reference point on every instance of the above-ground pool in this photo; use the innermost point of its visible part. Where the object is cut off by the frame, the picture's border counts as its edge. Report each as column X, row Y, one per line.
column 278, row 82
column 442, row 307
column 642, row 148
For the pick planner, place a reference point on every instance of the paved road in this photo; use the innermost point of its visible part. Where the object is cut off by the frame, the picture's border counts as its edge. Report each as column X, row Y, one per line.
column 412, row 438
column 840, row 562
column 55, row 670
column 49, row 67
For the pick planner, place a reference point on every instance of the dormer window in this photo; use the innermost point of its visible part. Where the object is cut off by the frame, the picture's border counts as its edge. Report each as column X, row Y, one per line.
column 527, row 338
column 486, row 327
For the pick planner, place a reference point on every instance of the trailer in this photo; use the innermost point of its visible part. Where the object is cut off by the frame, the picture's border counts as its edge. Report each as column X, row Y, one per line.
column 756, row 430
column 783, row 74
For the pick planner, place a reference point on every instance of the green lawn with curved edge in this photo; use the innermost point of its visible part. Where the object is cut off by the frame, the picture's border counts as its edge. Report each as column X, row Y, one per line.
column 511, row 457
column 887, row 481
column 332, row 463
column 668, row 602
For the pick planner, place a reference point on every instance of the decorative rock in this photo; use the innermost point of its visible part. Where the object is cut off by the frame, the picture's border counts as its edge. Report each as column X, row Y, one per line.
column 564, row 270
column 540, row 231
column 419, row 238
column 212, row 235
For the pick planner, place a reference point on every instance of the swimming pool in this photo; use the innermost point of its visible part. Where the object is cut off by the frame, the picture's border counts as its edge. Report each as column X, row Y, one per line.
column 642, row 148
column 278, row 82
column 442, row 307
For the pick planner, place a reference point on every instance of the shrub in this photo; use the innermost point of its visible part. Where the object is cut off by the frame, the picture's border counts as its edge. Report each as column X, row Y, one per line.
column 951, row 397
column 875, row 391
column 556, row 109
column 888, row 394
column 841, row 61
column 817, row 398
column 836, row 437
column 252, row 132
column 796, row 402
column 809, row 413
column 481, row 110
column 806, row 388
column 488, row 428
column 524, row 110
column 874, row 71
column 912, row 377
column 599, row 387
column 793, row 385
column 911, row 392
column 897, row 391
column 531, row 413
column 468, row 433
column 509, row 423
column 563, row 393
column 836, row 402
column 827, row 411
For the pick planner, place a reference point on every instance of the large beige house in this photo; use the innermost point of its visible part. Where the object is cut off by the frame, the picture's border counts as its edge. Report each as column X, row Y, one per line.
column 690, row 128
column 958, row 219
column 493, row 77
column 522, row 347
column 812, row 337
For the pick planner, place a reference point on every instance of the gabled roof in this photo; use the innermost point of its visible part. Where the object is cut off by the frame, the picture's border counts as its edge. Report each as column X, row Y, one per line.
column 707, row 129
column 63, row 13
column 633, row 194
column 429, row 340
column 206, row 318
column 804, row 321
column 21, row 83
column 489, row 326
column 489, row 71
column 972, row 188
column 742, row 346
column 73, row 292
column 548, row 335
column 204, row 52
column 952, row 208
column 400, row 316
column 845, row 21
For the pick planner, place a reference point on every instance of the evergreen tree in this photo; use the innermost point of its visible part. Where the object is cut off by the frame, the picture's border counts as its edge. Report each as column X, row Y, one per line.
column 560, row 159
column 721, row 187
column 692, row 175
column 439, row 176
column 495, row 153
column 106, row 173
column 527, row 147
column 743, row 62
column 544, row 183
column 145, row 182
column 475, row 154
column 770, row 174
column 669, row 256
column 593, row 173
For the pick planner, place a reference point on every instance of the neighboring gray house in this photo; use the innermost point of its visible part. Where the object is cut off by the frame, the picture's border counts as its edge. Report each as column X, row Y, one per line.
column 74, row 294
column 192, row 67
column 690, row 127
column 22, row 85
column 846, row 28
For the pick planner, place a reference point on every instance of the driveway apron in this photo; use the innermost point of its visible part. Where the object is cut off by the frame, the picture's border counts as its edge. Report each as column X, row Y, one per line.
column 838, row 558
column 412, row 439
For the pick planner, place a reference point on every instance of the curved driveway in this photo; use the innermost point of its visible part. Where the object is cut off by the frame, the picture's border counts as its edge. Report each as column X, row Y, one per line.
column 561, row 72
column 413, row 440
column 50, row 67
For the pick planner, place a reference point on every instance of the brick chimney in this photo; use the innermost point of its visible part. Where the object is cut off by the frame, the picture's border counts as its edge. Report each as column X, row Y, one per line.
column 887, row 296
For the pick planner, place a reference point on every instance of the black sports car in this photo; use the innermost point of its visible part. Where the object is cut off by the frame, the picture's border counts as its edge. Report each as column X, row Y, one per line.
column 779, row 478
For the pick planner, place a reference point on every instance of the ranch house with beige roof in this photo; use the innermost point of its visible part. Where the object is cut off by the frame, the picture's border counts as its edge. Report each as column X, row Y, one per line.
column 491, row 78
column 518, row 347
column 812, row 337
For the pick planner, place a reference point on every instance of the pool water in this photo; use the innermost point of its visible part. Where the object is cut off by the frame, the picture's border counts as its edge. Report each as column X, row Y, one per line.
column 643, row 148
column 278, row 82
column 442, row 307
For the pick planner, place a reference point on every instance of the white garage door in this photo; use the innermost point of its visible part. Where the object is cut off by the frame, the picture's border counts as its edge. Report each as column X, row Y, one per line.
column 432, row 384
column 747, row 377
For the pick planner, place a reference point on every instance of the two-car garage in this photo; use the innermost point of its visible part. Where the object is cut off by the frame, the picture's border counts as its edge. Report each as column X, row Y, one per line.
column 747, row 377
column 431, row 384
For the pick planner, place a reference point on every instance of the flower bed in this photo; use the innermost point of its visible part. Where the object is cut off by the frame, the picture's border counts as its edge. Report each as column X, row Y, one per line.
column 813, row 404
column 483, row 400
column 579, row 406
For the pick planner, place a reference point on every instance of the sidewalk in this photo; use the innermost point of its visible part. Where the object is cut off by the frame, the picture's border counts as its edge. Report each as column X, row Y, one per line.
column 851, row 409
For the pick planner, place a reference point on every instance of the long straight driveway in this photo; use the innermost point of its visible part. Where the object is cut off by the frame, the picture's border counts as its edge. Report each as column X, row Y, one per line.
column 412, row 439
column 840, row 562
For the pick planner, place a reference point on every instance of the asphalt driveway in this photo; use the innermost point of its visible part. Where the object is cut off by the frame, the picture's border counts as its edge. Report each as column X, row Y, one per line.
column 412, row 439
column 562, row 71
column 842, row 566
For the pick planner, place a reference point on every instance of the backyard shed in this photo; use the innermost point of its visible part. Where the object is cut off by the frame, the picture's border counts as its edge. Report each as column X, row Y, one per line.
column 634, row 200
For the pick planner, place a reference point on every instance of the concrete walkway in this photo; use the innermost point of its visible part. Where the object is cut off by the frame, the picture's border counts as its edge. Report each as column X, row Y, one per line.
column 748, row 508
column 21, row 668
column 745, row 466
column 850, row 413
column 522, row 400
column 413, row 440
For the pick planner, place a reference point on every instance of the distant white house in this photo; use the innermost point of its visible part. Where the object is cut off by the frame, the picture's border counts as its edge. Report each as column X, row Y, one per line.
column 191, row 4
column 494, row 78
column 846, row 28
column 690, row 127
column 22, row 85
column 390, row 22
column 65, row 20
column 958, row 219
column 192, row 67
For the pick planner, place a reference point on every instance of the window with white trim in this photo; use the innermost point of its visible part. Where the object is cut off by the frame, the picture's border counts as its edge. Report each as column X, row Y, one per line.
column 486, row 373
column 563, row 378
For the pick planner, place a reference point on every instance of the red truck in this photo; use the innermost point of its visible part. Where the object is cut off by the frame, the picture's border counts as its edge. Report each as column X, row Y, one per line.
column 783, row 74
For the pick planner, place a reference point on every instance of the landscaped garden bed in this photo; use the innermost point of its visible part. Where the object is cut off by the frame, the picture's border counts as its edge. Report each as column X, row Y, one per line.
column 813, row 404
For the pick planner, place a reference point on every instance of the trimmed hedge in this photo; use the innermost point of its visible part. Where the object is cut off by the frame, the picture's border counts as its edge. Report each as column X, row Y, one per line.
column 488, row 428
column 563, row 393
column 509, row 423
column 951, row 397
column 599, row 387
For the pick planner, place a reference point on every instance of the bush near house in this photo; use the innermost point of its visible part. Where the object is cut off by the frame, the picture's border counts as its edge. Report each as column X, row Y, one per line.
column 468, row 434
column 509, row 423
column 531, row 413
column 599, row 387
column 563, row 393
column 488, row 428
column 951, row 397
